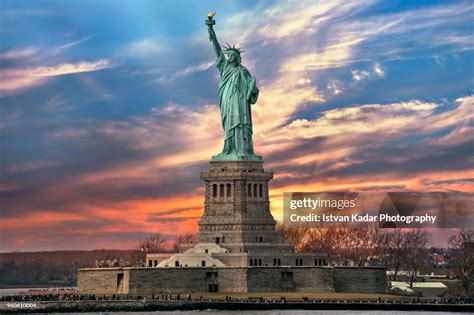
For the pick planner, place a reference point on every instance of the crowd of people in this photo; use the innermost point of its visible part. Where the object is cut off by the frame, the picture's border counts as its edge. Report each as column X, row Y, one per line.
column 37, row 295
column 55, row 295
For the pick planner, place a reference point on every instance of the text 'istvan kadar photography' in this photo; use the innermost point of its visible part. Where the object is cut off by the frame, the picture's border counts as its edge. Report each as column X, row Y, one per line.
column 236, row 157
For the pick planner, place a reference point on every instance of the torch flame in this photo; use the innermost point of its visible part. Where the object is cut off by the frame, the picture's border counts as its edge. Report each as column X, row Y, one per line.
column 210, row 15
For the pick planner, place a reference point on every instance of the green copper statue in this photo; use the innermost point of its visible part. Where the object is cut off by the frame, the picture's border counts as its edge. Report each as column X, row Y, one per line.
column 237, row 92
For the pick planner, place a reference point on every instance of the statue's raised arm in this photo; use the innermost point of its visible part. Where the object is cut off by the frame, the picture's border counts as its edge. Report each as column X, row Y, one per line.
column 212, row 35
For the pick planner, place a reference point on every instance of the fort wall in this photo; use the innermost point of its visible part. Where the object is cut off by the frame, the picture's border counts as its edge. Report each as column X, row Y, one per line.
column 231, row 279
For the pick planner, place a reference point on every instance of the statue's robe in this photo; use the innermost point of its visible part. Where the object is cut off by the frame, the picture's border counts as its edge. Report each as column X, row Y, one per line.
column 237, row 91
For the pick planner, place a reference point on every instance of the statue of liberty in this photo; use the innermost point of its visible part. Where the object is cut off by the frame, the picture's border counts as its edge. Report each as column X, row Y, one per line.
column 237, row 92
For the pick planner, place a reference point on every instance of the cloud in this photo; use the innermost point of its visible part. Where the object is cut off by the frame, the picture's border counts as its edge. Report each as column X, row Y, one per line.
column 18, row 53
column 360, row 75
column 375, row 71
column 363, row 146
column 285, row 20
column 96, row 89
column 183, row 73
column 119, row 161
column 381, row 120
column 57, row 103
column 16, row 79
column 144, row 48
column 68, row 133
column 75, row 43
column 455, row 184
column 335, row 87
column 62, row 69
column 378, row 70
column 393, row 36
column 279, row 101
column 30, row 166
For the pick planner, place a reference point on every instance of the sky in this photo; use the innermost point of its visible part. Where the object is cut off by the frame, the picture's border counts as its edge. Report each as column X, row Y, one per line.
column 108, row 109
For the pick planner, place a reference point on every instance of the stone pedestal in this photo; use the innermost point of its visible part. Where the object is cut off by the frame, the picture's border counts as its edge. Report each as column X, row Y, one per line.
column 237, row 205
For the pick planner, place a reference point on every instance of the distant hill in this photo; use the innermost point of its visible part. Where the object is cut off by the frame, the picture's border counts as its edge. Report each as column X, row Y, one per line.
column 57, row 267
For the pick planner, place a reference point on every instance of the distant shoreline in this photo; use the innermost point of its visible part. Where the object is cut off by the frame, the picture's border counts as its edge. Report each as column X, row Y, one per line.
column 142, row 305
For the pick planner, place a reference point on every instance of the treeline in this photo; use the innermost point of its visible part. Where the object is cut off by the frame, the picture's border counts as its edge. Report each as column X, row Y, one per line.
column 395, row 249
column 54, row 268
column 59, row 268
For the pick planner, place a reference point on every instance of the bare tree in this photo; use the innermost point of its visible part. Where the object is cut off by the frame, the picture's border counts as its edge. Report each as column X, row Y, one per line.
column 343, row 246
column 417, row 243
column 361, row 245
column 294, row 235
column 152, row 243
column 463, row 258
column 319, row 241
column 340, row 239
column 393, row 249
column 183, row 239
column 332, row 241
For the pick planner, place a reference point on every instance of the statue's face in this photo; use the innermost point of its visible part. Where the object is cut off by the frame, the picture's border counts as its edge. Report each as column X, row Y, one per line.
column 234, row 57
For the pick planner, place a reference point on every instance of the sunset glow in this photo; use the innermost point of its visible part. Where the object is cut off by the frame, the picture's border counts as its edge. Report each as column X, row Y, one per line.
column 109, row 112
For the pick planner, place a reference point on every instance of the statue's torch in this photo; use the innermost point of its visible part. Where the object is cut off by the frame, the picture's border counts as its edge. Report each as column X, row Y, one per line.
column 210, row 22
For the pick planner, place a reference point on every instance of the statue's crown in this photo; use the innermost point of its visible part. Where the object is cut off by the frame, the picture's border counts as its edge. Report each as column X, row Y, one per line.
column 230, row 48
